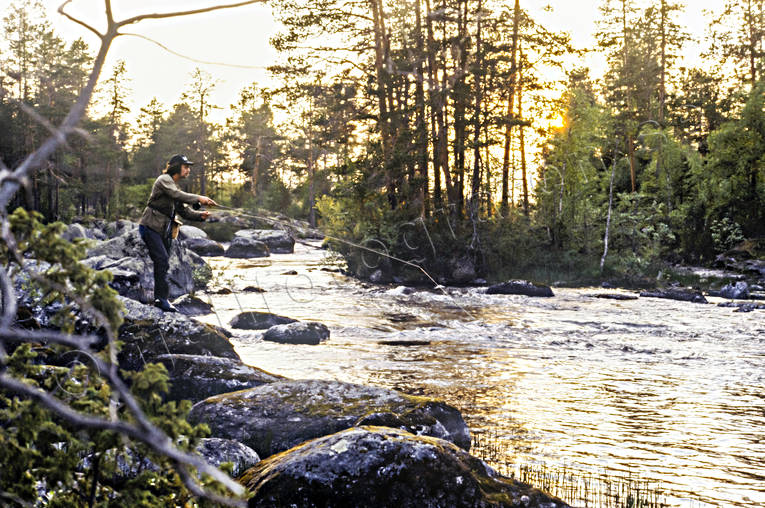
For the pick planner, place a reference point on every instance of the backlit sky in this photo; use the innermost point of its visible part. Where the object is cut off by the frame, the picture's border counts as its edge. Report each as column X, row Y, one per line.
column 240, row 36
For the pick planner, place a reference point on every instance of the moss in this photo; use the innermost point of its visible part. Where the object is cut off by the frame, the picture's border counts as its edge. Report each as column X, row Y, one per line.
column 201, row 275
column 220, row 231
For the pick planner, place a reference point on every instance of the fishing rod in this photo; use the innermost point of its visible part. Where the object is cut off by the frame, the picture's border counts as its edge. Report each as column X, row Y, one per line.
column 289, row 227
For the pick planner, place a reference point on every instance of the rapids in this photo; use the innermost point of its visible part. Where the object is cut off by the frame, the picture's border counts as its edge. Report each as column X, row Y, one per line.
column 668, row 391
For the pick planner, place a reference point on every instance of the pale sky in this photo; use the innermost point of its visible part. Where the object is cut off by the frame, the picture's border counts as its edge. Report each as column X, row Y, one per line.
column 240, row 36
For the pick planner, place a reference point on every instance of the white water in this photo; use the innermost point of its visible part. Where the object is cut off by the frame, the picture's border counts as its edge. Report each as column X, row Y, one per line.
column 670, row 391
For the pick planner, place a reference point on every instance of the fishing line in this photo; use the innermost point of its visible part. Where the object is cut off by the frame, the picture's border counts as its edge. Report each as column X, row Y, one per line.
column 352, row 244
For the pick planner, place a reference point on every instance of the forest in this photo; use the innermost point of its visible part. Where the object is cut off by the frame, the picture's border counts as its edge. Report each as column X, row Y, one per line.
column 463, row 122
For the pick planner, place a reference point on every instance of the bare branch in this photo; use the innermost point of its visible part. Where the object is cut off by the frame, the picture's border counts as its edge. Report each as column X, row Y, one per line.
column 192, row 59
column 59, row 134
column 6, row 287
column 78, row 21
column 33, row 161
column 141, row 17
column 157, row 441
column 188, row 480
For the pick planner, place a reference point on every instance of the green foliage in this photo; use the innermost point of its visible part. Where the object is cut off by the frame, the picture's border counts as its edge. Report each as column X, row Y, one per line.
column 725, row 234
column 41, row 452
column 44, row 244
column 736, row 167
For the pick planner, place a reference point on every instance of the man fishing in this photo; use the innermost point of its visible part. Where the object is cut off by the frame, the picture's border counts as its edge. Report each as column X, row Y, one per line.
column 158, row 225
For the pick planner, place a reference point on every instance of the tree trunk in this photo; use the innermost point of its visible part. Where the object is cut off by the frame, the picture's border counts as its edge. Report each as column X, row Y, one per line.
column 608, row 217
column 422, row 127
column 460, row 105
column 510, row 97
column 521, row 135
column 255, row 168
column 382, row 80
column 476, row 183
column 435, row 110
column 663, row 86
column 631, row 152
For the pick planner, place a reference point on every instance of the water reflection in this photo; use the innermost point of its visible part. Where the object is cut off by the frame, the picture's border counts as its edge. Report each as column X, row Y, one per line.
column 668, row 390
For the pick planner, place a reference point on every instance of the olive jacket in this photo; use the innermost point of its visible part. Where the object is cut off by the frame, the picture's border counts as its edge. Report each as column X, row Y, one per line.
column 165, row 195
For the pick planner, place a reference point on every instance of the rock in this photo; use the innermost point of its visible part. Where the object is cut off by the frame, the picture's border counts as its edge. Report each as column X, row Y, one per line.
column 737, row 291
column 75, row 231
column 253, row 289
column 277, row 416
column 147, row 333
column 615, row 296
column 187, row 232
column 520, row 287
column 242, row 247
column 205, row 247
column 255, row 320
column 401, row 291
column 462, row 270
column 754, row 267
column 129, row 464
column 217, row 451
column 278, row 242
column 119, row 228
column 192, row 306
column 376, row 466
column 380, row 276
column 195, row 377
column 683, row 295
column 127, row 257
column 297, row 333
column 742, row 307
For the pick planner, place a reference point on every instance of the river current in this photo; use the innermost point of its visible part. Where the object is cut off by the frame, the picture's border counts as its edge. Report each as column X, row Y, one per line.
column 669, row 392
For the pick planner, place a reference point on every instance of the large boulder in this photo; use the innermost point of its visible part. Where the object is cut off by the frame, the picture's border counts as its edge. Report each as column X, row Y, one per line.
column 118, row 228
column 241, row 247
column 196, row 377
column 217, row 451
column 375, row 466
column 520, row 287
column 187, row 232
column 256, row 320
column 298, row 333
column 75, row 231
column 147, row 333
column 278, row 242
column 193, row 306
column 462, row 270
column 737, row 291
column 680, row 294
column 204, row 246
column 128, row 256
column 277, row 416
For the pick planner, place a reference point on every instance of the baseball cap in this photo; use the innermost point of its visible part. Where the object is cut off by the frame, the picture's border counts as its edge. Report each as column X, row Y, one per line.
column 176, row 160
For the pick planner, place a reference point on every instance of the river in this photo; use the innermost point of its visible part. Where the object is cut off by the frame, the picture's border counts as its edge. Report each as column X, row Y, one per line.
column 669, row 392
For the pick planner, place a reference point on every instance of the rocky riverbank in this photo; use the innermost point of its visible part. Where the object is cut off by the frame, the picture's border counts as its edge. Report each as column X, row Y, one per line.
column 318, row 440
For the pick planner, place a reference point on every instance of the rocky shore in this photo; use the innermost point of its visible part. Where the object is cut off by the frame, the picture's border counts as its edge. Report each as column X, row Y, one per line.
column 292, row 442
column 312, row 442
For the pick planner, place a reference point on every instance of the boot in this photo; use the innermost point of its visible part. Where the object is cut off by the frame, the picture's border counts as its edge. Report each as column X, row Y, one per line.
column 164, row 305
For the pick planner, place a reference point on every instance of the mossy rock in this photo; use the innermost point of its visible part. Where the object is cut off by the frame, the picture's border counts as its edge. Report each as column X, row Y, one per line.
column 196, row 377
column 377, row 466
column 220, row 231
column 147, row 333
column 257, row 320
column 277, row 416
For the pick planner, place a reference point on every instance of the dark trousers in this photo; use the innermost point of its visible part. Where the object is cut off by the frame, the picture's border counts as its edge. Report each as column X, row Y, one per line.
column 159, row 252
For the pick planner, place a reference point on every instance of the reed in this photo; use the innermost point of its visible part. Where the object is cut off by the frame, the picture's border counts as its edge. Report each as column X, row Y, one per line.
column 581, row 488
